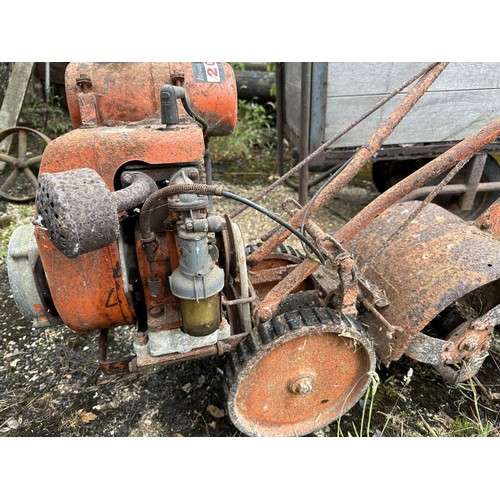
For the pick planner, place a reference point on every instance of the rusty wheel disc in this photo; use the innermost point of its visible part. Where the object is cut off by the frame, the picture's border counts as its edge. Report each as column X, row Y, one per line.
column 298, row 373
column 18, row 174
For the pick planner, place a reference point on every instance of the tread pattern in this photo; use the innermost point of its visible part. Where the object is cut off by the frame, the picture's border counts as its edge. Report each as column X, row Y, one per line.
column 281, row 248
column 276, row 327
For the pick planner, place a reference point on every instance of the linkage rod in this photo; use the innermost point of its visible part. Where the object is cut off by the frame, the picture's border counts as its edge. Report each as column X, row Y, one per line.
column 358, row 161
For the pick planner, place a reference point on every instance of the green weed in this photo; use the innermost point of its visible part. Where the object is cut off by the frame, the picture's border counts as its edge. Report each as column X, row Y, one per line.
column 464, row 426
column 474, row 425
column 369, row 397
column 49, row 118
column 254, row 132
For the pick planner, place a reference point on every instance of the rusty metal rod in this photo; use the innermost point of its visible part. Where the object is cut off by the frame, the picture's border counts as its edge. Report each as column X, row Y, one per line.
column 483, row 187
column 416, row 212
column 267, row 308
column 436, row 167
column 335, row 138
column 431, row 170
column 357, row 163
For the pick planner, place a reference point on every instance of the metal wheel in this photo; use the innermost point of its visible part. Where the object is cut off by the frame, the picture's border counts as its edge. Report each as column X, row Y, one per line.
column 18, row 175
column 298, row 373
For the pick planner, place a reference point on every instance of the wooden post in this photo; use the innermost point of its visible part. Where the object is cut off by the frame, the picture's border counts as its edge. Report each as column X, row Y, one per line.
column 13, row 100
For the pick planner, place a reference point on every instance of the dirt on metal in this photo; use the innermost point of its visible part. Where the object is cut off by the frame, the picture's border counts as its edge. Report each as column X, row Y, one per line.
column 52, row 385
column 301, row 371
column 436, row 261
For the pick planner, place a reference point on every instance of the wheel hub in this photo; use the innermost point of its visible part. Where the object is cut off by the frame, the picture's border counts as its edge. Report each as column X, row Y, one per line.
column 302, row 384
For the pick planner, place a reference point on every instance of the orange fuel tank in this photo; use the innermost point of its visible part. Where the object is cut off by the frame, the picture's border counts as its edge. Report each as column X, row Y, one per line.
column 130, row 92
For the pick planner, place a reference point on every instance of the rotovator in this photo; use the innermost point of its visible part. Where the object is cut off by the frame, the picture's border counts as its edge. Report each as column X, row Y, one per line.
column 127, row 233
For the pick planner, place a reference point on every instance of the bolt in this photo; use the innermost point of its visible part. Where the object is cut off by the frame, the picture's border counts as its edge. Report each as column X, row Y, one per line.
column 155, row 311
column 127, row 178
column 84, row 82
column 193, row 175
column 466, row 346
column 302, row 384
column 265, row 314
column 189, row 226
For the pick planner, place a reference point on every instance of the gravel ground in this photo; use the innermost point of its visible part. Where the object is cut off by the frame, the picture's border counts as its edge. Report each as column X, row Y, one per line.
column 51, row 384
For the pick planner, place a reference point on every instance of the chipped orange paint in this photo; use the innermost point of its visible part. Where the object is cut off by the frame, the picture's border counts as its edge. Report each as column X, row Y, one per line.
column 83, row 288
column 88, row 291
column 119, row 104
column 130, row 92
column 106, row 149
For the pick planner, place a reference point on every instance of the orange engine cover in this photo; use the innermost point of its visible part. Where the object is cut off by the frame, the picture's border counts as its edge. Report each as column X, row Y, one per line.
column 130, row 92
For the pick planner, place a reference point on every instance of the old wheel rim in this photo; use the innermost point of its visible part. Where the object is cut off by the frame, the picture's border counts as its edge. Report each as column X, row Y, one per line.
column 18, row 175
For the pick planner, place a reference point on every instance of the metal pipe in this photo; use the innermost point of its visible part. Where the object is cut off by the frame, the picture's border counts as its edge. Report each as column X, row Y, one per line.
column 335, row 138
column 140, row 187
column 483, row 187
column 436, row 167
column 305, row 128
column 47, row 82
column 357, row 162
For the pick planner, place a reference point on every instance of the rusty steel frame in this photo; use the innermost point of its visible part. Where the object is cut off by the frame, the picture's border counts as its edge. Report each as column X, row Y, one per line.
column 134, row 363
column 458, row 153
column 461, row 151
column 323, row 148
column 224, row 346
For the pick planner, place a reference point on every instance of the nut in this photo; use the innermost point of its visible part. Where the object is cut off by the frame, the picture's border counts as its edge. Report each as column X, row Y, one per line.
column 302, row 384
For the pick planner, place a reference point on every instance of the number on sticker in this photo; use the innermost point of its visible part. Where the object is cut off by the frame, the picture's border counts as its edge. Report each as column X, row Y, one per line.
column 212, row 71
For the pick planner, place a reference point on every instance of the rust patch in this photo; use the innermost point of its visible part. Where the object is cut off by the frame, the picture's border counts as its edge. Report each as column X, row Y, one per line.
column 489, row 220
column 437, row 260
column 130, row 92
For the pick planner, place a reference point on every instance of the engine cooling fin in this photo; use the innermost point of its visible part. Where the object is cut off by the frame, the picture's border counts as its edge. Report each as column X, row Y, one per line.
column 298, row 372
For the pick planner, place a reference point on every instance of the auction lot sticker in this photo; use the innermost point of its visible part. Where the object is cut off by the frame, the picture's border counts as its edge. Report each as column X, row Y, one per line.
column 210, row 72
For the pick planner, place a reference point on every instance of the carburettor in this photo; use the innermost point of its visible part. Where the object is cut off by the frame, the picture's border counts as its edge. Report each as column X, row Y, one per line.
column 87, row 261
